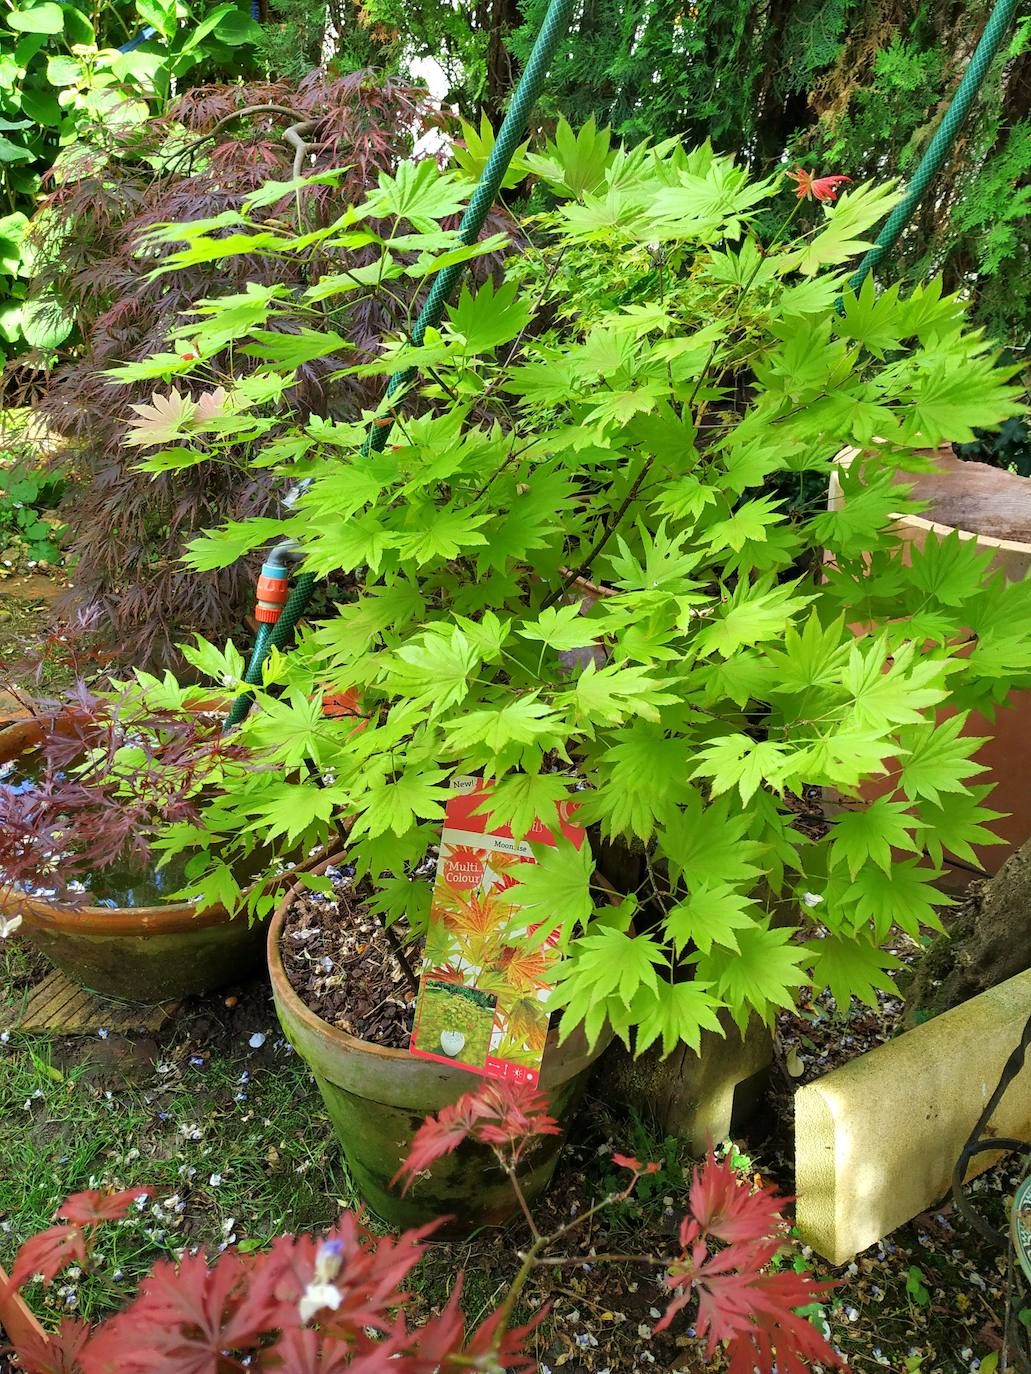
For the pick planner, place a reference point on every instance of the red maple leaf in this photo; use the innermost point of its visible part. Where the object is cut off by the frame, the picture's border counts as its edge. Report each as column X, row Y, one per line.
column 47, row 1254
column 177, row 1325
column 496, row 1114
column 722, row 1206
column 57, row 1353
column 90, row 1206
column 509, row 1351
column 628, row 1162
column 739, row 1303
column 820, row 188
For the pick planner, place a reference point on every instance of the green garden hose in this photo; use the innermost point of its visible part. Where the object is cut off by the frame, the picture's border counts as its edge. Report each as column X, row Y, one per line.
column 944, row 137
column 556, row 22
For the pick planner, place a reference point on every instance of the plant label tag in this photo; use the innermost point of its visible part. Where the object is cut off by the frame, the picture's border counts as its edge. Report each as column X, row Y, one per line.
column 481, row 991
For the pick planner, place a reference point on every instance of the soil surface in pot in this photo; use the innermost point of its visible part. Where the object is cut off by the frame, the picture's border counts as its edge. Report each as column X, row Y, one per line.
column 340, row 963
column 975, row 497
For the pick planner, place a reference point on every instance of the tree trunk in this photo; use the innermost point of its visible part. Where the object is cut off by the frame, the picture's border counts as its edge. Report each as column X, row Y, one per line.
column 989, row 941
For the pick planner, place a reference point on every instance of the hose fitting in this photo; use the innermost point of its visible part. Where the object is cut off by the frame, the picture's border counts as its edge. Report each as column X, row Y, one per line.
column 274, row 582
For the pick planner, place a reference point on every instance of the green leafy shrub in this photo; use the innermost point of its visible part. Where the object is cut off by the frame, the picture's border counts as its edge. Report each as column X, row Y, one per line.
column 66, row 86
column 632, row 438
column 28, row 495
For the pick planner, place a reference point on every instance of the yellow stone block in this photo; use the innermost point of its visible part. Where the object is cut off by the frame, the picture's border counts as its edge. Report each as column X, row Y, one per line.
column 876, row 1140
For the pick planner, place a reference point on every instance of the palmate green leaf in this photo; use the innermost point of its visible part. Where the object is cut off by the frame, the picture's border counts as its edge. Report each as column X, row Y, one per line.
column 396, row 803
column 437, row 668
column 344, row 543
column 532, row 517
column 203, row 249
column 478, row 734
column 434, row 260
column 638, row 781
column 710, row 915
column 418, row 192
column 754, row 613
column 479, row 144
column 892, row 691
column 223, row 547
column 158, row 365
column 870, row 832
column 296, row 348
column 704, row 843
column 560, row 627
column 938, row 759
column 289, row 809
column 847, row 221
column 443, row 533
column 742, row 762
column 612, row 694
column 756, row 977
column 676, row 1014
column 952, row 570
column 958, row 822
column 906, row 896
column 224, row 666
column 950, row 401
column 292, row 726
column 852, row 966
column 519, row 799
column 548, row 382
column 602, row 975
column 356, row 623
column 750, row 522
column 663, row 563
column 573, row 164
column 489, row 318
column 555, row 891
column 811, row 659
column 871, row 318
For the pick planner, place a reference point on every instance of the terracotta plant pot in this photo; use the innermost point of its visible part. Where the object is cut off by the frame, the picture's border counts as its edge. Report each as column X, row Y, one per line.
column 377, row 1098
column 993, row 508
column 133, row 954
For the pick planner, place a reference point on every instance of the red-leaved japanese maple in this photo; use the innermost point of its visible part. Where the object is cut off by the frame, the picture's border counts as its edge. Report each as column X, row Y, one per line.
column 108, row 772
column 216, row 146
column 317, row 1306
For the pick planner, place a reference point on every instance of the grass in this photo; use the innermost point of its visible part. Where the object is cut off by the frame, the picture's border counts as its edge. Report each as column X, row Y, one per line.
column 226, row 1144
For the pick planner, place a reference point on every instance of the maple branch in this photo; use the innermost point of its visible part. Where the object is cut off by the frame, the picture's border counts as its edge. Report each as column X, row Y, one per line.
column 510, row 1170
column 657, row 1261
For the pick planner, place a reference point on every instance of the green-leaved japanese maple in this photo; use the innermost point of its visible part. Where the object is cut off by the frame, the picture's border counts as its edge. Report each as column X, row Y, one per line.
column 648, row 402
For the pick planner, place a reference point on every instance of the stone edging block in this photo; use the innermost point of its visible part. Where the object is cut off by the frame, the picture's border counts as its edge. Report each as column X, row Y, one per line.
column 876, row 1140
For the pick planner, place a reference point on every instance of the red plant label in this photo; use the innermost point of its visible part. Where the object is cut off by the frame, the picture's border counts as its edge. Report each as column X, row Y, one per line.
column 482, row 990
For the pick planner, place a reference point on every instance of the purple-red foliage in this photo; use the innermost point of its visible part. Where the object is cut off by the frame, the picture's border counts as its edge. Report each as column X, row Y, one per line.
column 86, row 809
column 130, row 528
column 257, row 1311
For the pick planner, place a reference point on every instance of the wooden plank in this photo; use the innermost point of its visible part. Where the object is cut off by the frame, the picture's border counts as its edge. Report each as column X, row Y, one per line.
column 48, row 1000
column 61, row 1007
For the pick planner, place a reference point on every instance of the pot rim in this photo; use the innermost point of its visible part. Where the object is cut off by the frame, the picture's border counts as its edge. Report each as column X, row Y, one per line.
column 17, row 1318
